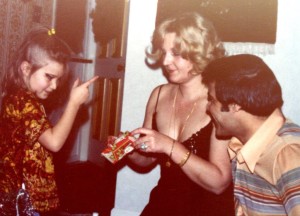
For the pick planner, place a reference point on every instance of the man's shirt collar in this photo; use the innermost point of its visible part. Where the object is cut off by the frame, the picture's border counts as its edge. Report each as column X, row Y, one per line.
column 255, row 146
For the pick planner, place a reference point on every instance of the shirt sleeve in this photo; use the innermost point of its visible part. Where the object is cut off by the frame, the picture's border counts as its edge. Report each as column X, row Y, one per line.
column 287, row 173
column 34, row 121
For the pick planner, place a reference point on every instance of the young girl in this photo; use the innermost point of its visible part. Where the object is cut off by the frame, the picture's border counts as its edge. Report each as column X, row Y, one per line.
column 27, row 139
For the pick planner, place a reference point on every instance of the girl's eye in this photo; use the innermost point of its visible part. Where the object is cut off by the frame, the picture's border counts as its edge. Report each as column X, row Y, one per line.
column 49, row 77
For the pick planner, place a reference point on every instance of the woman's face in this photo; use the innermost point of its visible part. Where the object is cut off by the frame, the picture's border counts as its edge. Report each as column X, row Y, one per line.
column 177, row 68
column 224, row 121
column 45, row 80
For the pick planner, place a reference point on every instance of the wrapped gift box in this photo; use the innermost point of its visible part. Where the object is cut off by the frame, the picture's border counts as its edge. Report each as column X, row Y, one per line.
column 118, row 147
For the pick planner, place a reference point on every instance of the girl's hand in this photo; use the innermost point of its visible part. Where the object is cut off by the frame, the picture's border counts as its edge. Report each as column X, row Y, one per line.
column 152, row 141
column 80, row 92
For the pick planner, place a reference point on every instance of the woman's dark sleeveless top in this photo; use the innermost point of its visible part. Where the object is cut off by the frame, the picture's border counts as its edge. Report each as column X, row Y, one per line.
column 176, row 194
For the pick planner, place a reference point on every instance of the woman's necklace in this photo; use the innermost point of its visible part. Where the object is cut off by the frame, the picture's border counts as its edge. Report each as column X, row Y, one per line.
column 173, row 119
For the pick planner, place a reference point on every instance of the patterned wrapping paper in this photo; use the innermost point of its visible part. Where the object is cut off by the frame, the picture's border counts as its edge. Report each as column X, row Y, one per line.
column 118, row 147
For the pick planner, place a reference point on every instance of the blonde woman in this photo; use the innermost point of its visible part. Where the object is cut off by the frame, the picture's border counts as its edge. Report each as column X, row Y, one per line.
column 177, row 132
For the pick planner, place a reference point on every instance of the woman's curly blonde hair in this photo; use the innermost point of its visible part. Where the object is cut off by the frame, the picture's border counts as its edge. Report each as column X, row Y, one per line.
column 196, row 40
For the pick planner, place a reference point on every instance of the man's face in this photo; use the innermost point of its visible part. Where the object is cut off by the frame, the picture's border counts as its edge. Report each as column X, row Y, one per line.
column 223, row 120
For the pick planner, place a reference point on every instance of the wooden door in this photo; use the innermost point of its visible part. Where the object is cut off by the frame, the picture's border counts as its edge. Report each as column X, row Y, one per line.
column 110, row 28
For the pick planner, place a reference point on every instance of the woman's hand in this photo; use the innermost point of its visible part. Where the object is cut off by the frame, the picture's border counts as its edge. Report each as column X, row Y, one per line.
column 152, row 141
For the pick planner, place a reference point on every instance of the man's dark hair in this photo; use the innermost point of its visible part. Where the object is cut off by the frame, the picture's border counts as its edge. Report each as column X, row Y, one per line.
column 245, row 80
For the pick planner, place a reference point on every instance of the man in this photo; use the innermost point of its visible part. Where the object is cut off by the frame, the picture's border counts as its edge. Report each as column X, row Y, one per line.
column 245, row 103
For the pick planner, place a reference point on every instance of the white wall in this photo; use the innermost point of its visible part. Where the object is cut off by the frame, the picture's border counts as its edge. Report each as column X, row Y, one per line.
column 286, row 61
column 133, row 188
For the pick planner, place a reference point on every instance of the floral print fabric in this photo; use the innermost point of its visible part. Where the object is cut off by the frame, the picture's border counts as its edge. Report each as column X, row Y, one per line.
column 22, row 158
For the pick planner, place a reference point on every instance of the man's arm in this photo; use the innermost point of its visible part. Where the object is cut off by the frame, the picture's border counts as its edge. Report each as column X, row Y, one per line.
column 287, row 177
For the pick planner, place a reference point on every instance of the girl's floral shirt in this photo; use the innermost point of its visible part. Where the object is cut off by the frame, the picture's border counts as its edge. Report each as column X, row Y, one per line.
column 22, row 158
